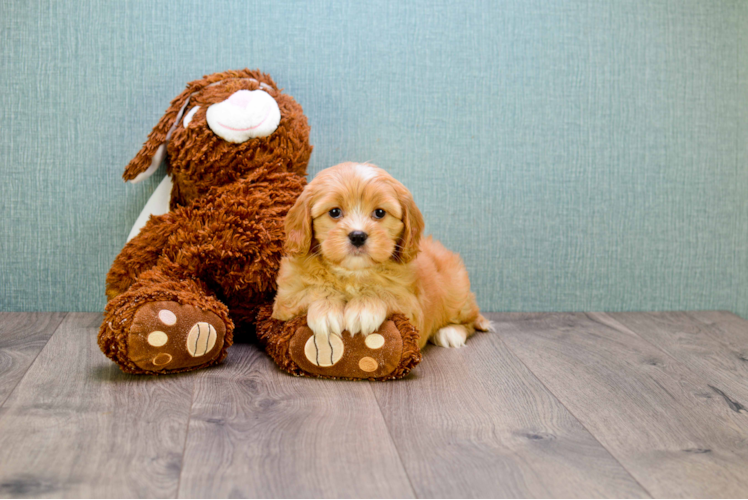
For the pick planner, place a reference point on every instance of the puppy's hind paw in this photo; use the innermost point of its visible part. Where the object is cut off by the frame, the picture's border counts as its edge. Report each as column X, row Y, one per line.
column 483, row 325
column 450, row 336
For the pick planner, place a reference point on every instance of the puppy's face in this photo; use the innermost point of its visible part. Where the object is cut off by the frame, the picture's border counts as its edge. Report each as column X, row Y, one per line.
column 355, row 216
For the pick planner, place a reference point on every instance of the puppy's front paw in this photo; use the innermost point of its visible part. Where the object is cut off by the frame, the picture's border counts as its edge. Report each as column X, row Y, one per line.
column 364, row 315
column 325, row 317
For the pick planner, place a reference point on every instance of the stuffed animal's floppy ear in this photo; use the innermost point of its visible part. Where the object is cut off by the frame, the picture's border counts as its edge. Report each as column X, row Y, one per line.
column 299, row 225
column 408, row 246
column 153, row 152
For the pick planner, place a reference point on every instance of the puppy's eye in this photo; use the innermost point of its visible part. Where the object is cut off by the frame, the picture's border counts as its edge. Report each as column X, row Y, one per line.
column 335, row 213
column 379, row 213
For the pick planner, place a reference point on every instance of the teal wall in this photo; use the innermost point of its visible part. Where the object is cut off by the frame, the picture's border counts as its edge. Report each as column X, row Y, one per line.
column 579, row 155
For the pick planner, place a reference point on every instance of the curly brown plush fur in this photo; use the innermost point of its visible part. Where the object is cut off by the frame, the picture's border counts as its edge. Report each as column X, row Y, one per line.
column 191, row 276
column 221, row 250
column 200, row 160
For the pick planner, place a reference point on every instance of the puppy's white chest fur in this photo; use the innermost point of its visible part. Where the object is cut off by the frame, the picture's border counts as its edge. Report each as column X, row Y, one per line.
column 372, row 282
column 352, row 290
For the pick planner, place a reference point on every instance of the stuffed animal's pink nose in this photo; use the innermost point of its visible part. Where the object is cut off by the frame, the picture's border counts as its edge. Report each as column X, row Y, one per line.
column 246, row 114
column 241, row 98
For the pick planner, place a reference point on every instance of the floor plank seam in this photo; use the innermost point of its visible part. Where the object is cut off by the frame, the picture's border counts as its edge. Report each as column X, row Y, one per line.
column 708, row 329
column 65, row 315
column 633, row 478
column 731, row 403
column 186, row 437
column 617, row 325
column 394, row 444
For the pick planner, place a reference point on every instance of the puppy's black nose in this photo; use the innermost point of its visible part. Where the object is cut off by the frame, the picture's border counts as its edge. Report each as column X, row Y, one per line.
column 358, row 238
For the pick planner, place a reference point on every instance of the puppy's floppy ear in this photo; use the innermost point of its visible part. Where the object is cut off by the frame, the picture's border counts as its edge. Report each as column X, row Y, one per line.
column 407, row 248
column 299, row 225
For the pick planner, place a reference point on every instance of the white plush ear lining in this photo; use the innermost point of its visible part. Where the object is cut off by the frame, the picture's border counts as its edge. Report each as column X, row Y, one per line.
column 188, row 117
column 160, row 154
column 158, row 204
column 158, row 158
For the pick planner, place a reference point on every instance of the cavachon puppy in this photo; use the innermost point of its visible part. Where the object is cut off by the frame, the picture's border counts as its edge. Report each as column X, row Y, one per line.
column 355, row 255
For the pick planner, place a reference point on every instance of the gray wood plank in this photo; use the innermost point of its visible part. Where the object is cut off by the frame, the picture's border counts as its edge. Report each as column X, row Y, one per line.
column 475, row 422
column 22, row 337
column 662, row 422
column 258, row 432
column 689, row 341
column 75, row 426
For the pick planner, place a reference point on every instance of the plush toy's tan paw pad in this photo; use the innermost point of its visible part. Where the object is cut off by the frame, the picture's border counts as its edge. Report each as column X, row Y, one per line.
column 374, row 341
column 324, row 350
column 348, row 356
column 201, row 339
column 368, row 364
column 169, row 336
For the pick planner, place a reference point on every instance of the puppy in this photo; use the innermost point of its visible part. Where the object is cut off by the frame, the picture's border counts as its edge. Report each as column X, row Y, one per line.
column 354, row 255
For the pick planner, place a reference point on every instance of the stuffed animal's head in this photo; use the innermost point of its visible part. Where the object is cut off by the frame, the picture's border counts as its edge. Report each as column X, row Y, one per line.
column 221, row 128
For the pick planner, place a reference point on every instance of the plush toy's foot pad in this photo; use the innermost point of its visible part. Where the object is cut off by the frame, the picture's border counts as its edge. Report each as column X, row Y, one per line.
column 166, row 336
column 346, row 356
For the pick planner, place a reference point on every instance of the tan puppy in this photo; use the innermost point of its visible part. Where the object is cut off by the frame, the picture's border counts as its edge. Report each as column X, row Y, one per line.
column 355, row 255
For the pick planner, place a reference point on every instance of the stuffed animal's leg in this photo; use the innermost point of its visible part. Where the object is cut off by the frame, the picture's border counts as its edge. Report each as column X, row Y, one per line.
column 388, row 353
column 139, row 254
column 165, row 325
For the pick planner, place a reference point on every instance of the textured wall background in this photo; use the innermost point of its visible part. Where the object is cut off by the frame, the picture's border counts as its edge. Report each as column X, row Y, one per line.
column 579, row 155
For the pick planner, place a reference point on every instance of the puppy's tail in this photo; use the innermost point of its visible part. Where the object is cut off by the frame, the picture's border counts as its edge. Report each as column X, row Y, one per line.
column 484, row 325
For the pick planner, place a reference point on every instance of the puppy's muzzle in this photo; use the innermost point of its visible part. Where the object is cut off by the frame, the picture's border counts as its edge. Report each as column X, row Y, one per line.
column 358, row 238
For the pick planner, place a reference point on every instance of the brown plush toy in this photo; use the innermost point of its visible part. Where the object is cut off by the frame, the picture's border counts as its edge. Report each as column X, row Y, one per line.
column 205, row 263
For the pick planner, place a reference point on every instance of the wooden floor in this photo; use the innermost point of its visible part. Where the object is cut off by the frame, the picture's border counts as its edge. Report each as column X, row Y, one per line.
column 550, row 405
